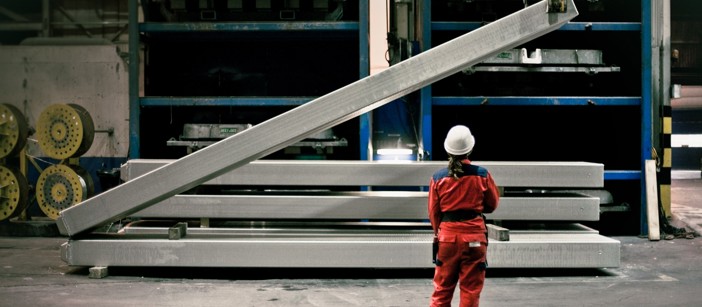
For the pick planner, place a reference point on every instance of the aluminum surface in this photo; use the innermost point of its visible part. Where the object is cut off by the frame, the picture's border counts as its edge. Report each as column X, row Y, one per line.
column 365, row 205
column 377, row 173
column 322, row 113
column 211, row 131
column 409, row 251
column 548, row 57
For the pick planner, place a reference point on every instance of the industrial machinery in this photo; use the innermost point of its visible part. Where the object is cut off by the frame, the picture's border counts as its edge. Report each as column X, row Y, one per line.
column 14, row 131
column 261, row 218
column 14, row 187
column 196, row 136
column 65, row 132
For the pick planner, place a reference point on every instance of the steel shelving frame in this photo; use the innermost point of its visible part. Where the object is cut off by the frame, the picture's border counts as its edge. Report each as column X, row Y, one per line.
column 645, row 100
column 139, row 246
column 136, row 27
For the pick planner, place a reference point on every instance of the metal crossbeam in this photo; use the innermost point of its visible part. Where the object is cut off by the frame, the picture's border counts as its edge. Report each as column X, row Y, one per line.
column 315, row 116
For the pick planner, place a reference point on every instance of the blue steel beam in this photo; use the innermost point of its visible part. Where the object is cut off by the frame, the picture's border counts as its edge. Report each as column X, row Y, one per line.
column 223, row 101
column 365, row 124
column 646, row 101
column 248, row 26
column 134, row 106
column 571, row 26
column 536, row 101
column 426, row 140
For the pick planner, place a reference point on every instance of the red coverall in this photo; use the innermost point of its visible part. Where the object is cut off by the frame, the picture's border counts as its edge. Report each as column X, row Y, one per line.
column 462, row 244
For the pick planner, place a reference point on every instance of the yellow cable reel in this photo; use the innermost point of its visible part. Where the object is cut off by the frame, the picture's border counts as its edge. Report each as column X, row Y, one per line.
column 14, row 191
column 62, row 186
column 13, row 131
column 65, row 131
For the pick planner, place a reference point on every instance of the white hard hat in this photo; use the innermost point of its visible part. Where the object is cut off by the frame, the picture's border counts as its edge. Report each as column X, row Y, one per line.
column 459, row 141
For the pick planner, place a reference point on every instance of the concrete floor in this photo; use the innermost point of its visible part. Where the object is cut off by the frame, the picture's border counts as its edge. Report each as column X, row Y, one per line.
column 652, row 273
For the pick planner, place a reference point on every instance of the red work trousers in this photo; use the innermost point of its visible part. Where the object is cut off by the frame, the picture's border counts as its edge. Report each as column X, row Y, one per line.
column 462, row 260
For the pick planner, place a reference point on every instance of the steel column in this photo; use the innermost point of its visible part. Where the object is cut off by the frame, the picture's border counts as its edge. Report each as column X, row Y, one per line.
column 646, row 102
column 134, row 103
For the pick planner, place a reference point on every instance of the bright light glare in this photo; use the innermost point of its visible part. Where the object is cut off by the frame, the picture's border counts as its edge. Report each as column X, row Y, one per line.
column 394, row 151
column 686, row 140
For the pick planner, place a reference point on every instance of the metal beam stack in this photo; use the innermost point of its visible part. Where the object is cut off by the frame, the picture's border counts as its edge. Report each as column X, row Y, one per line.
column 389, row 230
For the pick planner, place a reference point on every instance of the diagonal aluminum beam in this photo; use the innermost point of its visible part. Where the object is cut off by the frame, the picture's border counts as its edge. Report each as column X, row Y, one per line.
column 317, row 115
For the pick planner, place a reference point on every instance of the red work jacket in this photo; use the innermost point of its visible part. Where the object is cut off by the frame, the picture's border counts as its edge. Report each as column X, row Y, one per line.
column 474, row 190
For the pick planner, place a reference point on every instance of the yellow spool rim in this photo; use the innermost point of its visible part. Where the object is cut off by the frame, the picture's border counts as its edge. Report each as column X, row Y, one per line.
column 13, row 192
column 60, row 187
column 60, row 131
column 13, row 130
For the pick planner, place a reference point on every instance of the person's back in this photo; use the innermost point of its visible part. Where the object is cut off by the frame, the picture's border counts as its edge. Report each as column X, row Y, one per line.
column 458, row 197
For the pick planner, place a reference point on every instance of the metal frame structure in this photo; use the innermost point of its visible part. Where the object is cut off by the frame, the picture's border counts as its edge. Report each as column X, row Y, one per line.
column 317, row 115
column 137, row 27
column 647, row 101
column 156, row 188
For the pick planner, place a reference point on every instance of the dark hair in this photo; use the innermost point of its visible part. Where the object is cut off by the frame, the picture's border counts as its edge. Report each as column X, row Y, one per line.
column 455, row 166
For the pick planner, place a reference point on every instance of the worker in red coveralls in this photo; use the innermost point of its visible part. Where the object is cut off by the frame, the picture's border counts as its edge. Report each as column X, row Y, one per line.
column 458, row 197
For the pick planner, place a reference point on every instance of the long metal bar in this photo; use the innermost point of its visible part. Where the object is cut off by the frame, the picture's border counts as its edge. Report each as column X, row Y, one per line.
column 413, row 250
column 536, row 101
column 570, row 26
column 322, row 113
column 559, row 69
column 248, row 26
column 365, row 125
column 426, row 143
column 153, row 101
column 377, row 173
column 362, row 205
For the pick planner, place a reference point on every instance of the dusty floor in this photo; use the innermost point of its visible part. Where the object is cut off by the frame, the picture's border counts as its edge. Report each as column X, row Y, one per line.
column 652, row 273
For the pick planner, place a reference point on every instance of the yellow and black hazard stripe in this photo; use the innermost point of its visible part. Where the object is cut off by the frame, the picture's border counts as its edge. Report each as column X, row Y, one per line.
column 666, row 161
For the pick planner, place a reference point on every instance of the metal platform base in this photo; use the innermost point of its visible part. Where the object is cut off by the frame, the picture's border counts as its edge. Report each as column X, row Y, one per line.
column 577, row 247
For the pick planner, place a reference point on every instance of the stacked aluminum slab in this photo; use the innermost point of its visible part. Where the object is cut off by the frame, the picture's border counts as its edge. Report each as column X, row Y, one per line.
column 375, row 205
column 379, row 229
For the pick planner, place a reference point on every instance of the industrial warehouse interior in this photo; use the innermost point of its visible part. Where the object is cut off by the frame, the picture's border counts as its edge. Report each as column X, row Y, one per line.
column 284, row 152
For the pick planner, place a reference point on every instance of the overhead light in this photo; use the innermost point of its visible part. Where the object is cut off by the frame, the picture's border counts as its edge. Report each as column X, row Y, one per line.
column 394, row 151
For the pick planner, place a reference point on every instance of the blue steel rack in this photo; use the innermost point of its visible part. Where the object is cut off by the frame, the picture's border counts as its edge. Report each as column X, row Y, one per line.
column 644, row 101
column 136, row 102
